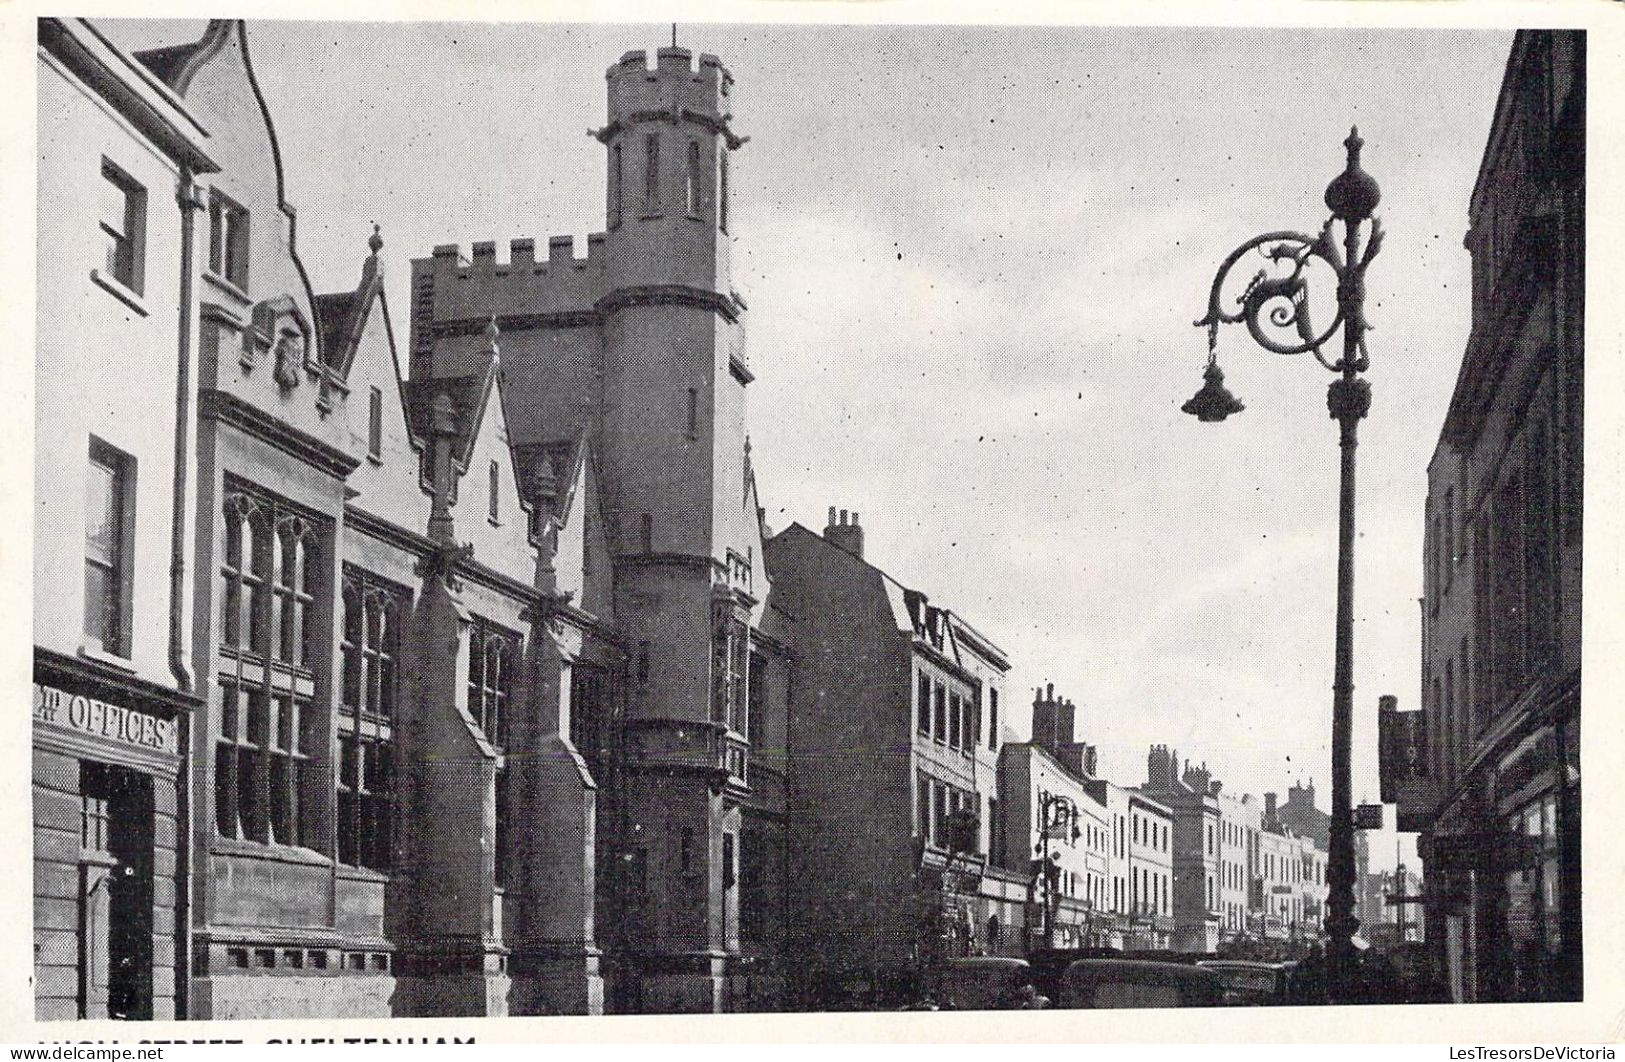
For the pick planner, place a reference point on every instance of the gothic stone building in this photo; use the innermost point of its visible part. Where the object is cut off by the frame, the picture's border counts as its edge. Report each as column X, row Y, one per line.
column 632, row 358
column 367, row 691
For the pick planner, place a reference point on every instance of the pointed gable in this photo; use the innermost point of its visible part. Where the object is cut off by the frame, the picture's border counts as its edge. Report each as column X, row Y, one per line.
column 490, row 511
column 387, row 482
column 215, row 77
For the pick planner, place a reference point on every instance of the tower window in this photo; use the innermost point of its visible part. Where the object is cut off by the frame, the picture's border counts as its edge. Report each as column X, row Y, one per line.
column 493, row 495
column 647, row 533
column 643, row 663
column 722, row 191
column 651, row 171
column 692, row 182
column 693, row 412
column 614, row 185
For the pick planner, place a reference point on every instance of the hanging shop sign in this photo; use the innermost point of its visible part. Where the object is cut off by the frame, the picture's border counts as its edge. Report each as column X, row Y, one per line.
column 114, row 722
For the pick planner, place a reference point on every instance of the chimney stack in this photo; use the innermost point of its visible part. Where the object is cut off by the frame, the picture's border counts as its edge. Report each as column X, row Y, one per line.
column 1053, row 719
column 844, row 531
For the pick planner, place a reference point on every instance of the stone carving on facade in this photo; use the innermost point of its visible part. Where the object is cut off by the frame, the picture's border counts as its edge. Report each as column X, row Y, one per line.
column 290, row 356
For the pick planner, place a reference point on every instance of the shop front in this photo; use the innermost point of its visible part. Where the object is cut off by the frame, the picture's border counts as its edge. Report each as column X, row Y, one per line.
column 1503, row 866
column 106, row 758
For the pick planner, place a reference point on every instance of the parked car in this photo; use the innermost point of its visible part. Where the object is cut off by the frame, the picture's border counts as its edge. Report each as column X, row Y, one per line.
column 989, row 982
column 1120, row 983
column 1049, row 964
column 1253, row 984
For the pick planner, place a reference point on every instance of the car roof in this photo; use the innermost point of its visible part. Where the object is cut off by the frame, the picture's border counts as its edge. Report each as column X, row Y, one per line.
column 989, row 962
column 1142, row 970
column 1243, row 964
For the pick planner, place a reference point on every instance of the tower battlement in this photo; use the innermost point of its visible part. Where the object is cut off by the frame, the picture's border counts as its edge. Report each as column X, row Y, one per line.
column 482, row 255
column 673, row 85
column 455, row 291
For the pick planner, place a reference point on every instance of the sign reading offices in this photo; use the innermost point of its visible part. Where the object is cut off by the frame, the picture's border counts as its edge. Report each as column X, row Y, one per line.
column 100, row 719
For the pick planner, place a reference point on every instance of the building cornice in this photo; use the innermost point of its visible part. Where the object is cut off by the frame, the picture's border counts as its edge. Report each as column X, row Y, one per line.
column 227, row 408
column 152, row 109
column 465, row 567
column 109, row 680
column 508, row 323
column 725, row 306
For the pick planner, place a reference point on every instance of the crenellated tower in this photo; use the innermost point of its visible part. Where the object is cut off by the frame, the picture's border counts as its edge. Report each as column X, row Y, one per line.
column 637, row 347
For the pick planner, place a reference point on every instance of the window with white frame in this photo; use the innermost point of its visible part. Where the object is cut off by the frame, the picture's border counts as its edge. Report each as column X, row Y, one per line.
column 109, row 526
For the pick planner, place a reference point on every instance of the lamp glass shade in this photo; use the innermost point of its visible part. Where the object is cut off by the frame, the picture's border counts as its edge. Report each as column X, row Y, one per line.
column 1214, row 402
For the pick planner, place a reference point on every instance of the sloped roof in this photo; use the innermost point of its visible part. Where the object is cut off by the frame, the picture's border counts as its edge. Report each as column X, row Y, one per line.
column 335, row 318
column 467, row 394
column 911, row 610
column 341, row 316
column 546, row 471
column 169, row 63
column 174, row 64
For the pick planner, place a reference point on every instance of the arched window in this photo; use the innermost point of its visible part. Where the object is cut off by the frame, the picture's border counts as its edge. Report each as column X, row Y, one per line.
column 263, row 779
column 366, row 720
column 492, row 656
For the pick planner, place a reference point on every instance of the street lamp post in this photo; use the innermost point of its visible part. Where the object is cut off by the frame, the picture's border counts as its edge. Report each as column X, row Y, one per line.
column 1274, row 307
column 1055, row 812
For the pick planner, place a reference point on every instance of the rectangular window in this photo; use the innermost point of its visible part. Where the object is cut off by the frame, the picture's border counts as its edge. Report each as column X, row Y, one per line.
column 651, row 172
column 693, row 412
column 646, row 531
column 692, row 187
column 375, row 423
column 954, row 713
column 923, row 704
column 722, row 190
column 124, row 226
column 228, row 240
column 493, row 492
column 614, row 186
column 1449, row 534
column 643, row 663
column 939, row 727
column 756, row 700
column 922, row 800
column 109, row 527
column 993, row 719
column 730, row 645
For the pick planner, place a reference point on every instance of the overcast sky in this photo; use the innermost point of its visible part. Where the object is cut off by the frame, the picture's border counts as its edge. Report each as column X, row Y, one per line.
column 972, row 258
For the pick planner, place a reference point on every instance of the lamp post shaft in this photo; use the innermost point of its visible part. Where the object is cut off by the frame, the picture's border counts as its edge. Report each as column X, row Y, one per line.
column 1348, row 399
